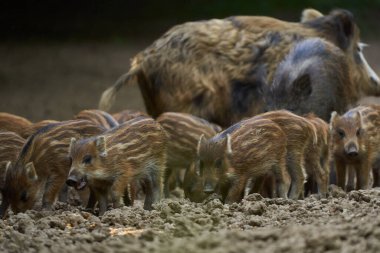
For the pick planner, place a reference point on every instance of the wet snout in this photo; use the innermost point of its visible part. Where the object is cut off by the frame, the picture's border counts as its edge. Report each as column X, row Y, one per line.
column 72, row 181
column 352, row 150
column 76, row 180
column 209, row 187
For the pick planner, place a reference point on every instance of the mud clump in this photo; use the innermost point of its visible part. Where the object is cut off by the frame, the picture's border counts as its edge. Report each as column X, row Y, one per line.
column 341, row 222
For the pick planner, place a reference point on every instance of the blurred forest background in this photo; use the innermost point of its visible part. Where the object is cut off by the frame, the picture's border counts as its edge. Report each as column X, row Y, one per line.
column 56, row 57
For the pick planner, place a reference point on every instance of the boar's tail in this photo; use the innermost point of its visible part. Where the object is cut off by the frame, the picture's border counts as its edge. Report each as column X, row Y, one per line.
column 109, row 95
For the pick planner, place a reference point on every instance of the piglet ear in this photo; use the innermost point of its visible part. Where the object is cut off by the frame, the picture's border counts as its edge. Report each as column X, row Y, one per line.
column 333, row 119
column 200, row 142
column 72, row 143
column 101, row 146
column 31, row 171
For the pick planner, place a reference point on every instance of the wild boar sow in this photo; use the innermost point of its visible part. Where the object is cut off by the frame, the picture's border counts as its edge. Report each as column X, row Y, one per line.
column 220, row 69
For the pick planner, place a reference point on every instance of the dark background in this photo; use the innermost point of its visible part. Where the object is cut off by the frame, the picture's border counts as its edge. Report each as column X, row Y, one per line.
column 118, row 19
column 57, row 57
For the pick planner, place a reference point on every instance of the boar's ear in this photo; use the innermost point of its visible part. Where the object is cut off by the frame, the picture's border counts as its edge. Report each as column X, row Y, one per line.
column 31, row 171
column 72, row 143
column 334, row 117
column 228, row 145
column 310, row 14
column 302, row 86
column 343, row 25
column 200, row 143
column 101, row 145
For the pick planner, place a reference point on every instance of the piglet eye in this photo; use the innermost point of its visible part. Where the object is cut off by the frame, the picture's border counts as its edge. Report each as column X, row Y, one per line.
column 24, row 196
column 358, row 132
column 87, row 159
column 341, row 133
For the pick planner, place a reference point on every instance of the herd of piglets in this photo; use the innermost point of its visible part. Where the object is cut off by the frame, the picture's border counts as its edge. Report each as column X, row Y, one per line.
column 111, row 160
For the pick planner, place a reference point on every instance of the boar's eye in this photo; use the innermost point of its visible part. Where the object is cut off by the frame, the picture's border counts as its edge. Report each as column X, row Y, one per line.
column 24, row 196
column 87, row 159
column 358, row 132
column 341, row 133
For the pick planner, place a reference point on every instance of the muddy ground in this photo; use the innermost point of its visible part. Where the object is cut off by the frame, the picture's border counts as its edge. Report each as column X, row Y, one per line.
column 55, row 81
column 341, row 223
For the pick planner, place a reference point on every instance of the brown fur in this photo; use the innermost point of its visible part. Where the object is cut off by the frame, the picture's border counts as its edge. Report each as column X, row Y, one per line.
column 317, row 156
column 42, row 165
column 247, row 150
column 356, row 133
column 218, row 69
column 10, row 146
column 36, row 126
column 300, row 134
column 131, row 153
column 13, row 123
column 183, row 131
column 98, row 117
column 126, row 115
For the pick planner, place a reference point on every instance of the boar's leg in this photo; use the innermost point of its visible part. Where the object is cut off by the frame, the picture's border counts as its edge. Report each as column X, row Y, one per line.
column 52, row 189
column 280, row 183
column 350, row 186
column 91, row 201
column 119, row 188
column 167, row 175
column 235, row 193
column 362, row 175
column 340, row 170
column 153, row 189
column 320, row 176
column 129, row 194
column 257, row 184
column 63, row 194
column 102, row 202
column 376, row 177
column 3, row 208
column 297, row 175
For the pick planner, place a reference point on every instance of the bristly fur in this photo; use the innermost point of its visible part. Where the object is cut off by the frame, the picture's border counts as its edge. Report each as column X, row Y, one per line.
column 46, row 151
column 218, row 69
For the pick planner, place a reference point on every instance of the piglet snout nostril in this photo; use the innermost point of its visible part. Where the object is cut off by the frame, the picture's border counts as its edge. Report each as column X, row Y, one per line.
column 208, row 191
column 71, row 182
column 353, row 154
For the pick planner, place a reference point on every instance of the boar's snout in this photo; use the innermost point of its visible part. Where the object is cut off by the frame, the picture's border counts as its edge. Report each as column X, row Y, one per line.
column 209, row 188
column 72, row 181
column 78, row 183
column 352, row 150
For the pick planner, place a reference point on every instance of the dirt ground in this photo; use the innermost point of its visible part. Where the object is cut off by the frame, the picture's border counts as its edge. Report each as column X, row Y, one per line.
column 55, row 81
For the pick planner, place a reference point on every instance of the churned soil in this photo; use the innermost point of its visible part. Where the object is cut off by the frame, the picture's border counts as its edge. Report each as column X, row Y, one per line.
column 343, row 222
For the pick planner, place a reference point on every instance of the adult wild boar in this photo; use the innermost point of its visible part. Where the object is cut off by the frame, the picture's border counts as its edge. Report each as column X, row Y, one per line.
column 220, row 68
